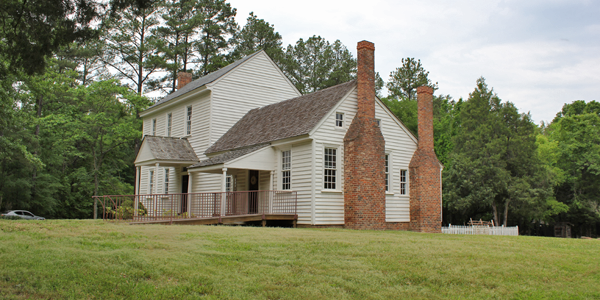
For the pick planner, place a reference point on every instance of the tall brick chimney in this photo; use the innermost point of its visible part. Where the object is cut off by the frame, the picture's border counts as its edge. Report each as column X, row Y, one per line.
column 183, row 78
column 424, row 171
column 364, row 153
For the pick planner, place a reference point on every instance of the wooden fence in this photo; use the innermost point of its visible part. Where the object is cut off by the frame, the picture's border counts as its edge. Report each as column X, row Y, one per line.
column 484, row 230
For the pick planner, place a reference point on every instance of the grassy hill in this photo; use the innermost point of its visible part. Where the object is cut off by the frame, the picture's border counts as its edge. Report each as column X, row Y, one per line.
column 99, row 260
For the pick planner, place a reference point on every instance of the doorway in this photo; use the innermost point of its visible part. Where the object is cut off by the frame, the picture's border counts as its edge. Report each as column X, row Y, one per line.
column 253, row 180
column 185, row 180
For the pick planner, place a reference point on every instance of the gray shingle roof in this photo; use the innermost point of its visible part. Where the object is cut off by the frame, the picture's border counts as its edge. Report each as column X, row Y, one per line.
column 229, row 156
column 289, row 118
column 206, row 79
column 168, row 148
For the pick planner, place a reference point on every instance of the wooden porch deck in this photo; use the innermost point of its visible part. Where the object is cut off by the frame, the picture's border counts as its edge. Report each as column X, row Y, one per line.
column 238, row 219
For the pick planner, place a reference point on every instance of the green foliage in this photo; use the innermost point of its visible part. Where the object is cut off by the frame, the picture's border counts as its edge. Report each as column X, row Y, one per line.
column 218, row 25
column 494, row 165
column 126, row 211
column 31, row 31
column 132, row 48
column 316, row 64
column 571, row 145
column 405, row 80
column 257, row 35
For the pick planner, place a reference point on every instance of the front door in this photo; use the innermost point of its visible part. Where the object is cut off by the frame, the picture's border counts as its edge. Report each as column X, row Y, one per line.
column 253, row 196
column 185, row 179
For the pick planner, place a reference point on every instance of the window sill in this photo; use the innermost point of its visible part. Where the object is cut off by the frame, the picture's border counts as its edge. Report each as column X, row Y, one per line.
column 389, row 193
column 331, row 191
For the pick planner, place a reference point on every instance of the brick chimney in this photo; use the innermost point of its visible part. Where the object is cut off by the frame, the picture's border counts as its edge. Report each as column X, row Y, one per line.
column 364, row 153
column 425, row 171
column 183, row 78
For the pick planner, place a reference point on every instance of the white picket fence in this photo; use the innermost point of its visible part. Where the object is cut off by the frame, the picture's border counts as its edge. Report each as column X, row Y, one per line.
column 485, row 230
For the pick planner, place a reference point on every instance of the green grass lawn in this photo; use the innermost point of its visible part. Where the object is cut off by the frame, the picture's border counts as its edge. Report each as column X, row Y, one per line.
column 99, row 260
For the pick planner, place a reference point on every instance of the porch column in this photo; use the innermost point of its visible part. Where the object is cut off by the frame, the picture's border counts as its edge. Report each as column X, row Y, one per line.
column 136, row 199
column 272, row 174
column 189, row 197
column 223, row 190
column 155, row 187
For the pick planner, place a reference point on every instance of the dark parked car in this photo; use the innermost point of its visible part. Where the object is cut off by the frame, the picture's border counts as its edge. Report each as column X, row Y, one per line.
column 23, row 214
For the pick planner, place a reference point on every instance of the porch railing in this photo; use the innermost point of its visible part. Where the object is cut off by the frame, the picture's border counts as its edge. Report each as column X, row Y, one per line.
column 160, row 207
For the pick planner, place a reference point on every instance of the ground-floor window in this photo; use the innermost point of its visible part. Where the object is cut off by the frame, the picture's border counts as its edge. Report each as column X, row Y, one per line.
column 330, row 169
column 387, row 172
column 150, row 182
column 403, row 186
column 286, row 166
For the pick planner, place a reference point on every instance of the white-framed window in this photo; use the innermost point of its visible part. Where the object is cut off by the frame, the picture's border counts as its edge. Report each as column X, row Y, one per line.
column 188, row 121
column 150, row 182
column 153, row 126
column 339, row 119
column 169, row 122
column 403, row 181
column 229, row 183
column 387, row 172
column 330, row 169
column 286, row 168
column 166, row 183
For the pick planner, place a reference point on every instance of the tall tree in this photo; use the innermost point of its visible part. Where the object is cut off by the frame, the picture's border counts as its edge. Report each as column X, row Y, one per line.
column 315, row 64
column 215, row 34
column 405, row 80
column 178, row 36
column 33, row 30
column 256, row 35
column 132, row 49
column 494, row 165
column 575, row 135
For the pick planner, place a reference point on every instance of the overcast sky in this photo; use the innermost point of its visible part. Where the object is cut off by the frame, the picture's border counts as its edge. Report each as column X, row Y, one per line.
column 536, row 54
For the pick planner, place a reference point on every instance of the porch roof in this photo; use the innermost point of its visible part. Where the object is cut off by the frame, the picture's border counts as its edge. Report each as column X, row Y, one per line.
column 156, row 148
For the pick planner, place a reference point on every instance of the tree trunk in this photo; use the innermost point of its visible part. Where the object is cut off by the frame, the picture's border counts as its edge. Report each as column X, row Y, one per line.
column 506, row 212
column 495, row 213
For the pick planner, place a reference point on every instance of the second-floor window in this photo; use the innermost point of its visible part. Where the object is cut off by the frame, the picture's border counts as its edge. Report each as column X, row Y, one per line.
column 286, row 166
column 339, row 119
column 330, row 168
column 153, row 126
column 166, row 181
column 169, row 122
column 188, row 121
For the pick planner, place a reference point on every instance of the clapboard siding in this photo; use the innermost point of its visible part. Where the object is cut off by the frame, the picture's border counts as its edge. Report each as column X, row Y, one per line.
column 400, row 147
column 255, row 83
column 174, row 180
column 200, row 122
column 329, row 205
column 301, row 180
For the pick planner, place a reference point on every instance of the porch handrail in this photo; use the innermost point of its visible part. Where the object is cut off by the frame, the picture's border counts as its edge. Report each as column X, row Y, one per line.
column 151, row 207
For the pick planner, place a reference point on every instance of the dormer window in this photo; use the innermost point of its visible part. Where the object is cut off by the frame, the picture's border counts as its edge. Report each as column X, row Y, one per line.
column 339, row 119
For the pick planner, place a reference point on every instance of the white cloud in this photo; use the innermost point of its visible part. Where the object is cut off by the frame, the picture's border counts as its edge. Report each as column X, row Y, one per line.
column 536, row 54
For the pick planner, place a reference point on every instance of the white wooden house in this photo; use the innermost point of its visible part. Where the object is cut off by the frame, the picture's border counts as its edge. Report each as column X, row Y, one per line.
column 246, row 127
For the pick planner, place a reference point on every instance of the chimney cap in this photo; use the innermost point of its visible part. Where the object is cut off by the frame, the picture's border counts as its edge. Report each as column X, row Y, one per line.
column 365, row 44
column 425, row 89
